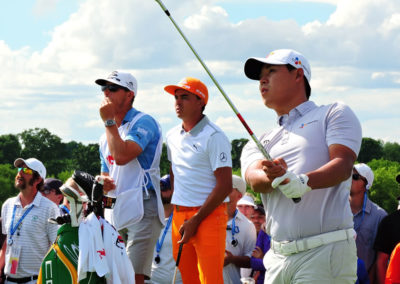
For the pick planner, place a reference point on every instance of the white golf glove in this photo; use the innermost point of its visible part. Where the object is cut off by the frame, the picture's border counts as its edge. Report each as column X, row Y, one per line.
column 296, row 187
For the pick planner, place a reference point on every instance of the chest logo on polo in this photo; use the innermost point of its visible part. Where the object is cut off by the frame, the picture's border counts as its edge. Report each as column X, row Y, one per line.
column 110, row 159
column 306, row 124
column 223, row 157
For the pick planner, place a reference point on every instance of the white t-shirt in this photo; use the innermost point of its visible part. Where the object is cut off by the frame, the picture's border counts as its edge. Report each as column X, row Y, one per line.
column 35, row 234
column 246, row 242
column 194, row 156
column 302, row 140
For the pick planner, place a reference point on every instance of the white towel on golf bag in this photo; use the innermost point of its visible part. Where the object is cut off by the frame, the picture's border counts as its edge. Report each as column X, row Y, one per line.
column 92, row 254
column 118, row 261
column 104, row 253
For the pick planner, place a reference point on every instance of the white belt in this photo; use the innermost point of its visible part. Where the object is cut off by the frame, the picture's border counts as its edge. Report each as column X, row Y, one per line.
column 288, row 248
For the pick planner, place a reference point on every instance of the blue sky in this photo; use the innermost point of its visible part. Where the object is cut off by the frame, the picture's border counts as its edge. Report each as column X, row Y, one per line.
column 52, row 51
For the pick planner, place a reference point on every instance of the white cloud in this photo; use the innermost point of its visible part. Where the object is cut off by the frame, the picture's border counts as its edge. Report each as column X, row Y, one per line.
column 354, row 58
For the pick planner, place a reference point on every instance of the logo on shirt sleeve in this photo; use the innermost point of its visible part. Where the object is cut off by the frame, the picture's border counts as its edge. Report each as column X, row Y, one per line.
column 222, row 157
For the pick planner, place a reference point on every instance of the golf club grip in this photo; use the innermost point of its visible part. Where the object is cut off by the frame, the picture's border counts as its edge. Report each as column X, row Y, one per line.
column 179, row 254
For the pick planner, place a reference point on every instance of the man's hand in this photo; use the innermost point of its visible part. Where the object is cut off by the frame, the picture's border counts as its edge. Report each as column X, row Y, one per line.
column 228, row 256
column 275, row 168
column 188, row 229
column 107, row 109
column 109, row 183
column 295, row 187
column 257, row 253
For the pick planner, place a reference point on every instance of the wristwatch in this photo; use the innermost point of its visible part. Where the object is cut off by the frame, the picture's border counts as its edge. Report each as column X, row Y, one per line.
column 109, row 122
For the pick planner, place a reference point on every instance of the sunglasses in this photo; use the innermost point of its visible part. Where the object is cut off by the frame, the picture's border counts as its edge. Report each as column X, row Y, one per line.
column 358, row 176
column 113, row 88
column 26, row 171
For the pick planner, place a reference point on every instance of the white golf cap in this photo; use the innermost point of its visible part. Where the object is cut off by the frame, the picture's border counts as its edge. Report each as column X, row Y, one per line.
column 120, row 78
column 366, row 172
column 33, row 164
column 247, row 200
column 253, row 65
column 239, row 184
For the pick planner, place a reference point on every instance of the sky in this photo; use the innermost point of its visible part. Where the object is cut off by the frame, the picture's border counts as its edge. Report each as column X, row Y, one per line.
column 52, row 51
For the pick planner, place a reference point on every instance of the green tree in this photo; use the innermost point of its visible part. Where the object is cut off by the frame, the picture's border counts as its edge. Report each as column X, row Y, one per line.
column 7, row 177
column 164, row 163
column 10, row 148
column 391, row 151
column 237, row 146
column 370, row 149
column 48, row 148
column 87, row 158
column 385, row 189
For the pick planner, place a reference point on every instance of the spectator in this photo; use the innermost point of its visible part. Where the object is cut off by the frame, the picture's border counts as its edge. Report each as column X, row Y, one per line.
column 367, row 215
column 246, row 205
column 51, row 190
column 258, row 218
column 240, row 237
column 387, row 238
column 25, row 223
column 201, row 170
column 130, row 153
column 162, row 269
column 256, row 261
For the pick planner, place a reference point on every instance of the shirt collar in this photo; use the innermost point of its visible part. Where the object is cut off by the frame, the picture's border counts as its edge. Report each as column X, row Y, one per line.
column 129, row 115
column 35, row 202
column 198, row 127
column 298, row 111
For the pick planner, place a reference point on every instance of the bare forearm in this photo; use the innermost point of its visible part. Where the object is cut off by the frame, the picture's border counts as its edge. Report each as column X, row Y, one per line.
column 239, row 261
column 3, row 255
column 257, row 179
column 123, row 151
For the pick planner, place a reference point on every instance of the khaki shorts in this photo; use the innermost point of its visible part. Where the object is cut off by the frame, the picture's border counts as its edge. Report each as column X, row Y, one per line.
column 332, row 263
column 141, row 238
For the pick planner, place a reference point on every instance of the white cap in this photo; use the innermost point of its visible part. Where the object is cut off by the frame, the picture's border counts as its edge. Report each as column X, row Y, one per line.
column 120, row 78
column 247, row 200
column 239, row 184
column 365, row 172
column 33, row 164
column 253, row 65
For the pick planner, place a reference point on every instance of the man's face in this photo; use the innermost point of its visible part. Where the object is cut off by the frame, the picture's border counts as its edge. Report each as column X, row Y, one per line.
column 118, row 95
column 246, row 210
column 277, row 86
column 258, row 219
column 24, row 178
column 358, row 184
column 187, row 105
column 52, row 195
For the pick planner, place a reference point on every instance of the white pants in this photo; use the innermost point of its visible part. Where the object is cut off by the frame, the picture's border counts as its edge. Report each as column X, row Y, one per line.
column 332, row 263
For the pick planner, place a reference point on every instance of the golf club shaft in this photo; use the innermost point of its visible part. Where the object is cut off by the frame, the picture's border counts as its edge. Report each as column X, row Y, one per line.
column 259, row 145
column 178, row 258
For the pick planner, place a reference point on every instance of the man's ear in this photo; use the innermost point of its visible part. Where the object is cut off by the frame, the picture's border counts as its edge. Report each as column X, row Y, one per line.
column 299, row 74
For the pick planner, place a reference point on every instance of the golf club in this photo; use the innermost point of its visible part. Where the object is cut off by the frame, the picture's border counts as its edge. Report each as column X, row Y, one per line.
column 259, row 146
column 178, row 258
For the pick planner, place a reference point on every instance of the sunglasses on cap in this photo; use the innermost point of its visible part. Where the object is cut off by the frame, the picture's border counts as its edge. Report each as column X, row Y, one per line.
column 113, row 88
column 26, row 171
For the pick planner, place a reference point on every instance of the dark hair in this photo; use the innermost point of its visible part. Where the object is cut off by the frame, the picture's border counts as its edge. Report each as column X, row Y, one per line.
column 202, row 109
column 307, row 87
column 36, row 176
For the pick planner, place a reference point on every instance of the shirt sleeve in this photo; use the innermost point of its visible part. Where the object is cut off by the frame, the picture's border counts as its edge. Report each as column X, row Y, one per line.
column 343, row 127
column 103, row 164
column 219, row 151
column 143, row 132
column 250, row 154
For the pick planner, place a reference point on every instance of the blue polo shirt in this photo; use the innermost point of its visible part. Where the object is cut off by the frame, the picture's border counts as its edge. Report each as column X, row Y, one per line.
column 146, row 134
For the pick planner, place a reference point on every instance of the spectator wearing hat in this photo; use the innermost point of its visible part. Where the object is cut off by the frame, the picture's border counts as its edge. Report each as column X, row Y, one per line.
column 29, row 234
column 387, row 238
column 162, row 268
column 258, row 218
column 51, row 190
column 201, row 170
column 313, row 150
column 130, row 151
column 240, row 235
column 246, row 205
column 367, row 214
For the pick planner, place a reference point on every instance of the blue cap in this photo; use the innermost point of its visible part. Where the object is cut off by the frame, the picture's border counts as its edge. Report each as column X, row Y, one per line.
column 165, row 183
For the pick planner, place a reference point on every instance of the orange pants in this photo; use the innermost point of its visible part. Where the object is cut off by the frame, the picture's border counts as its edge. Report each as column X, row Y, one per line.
column 202, row 258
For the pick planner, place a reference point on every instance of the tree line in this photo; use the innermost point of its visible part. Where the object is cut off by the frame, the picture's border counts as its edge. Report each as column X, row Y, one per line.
column 61, row 159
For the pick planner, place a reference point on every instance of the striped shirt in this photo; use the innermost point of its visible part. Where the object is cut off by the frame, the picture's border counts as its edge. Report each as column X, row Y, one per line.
column 34, row 235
